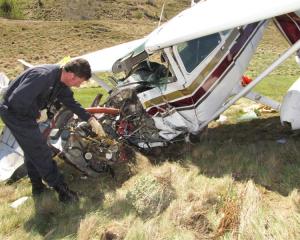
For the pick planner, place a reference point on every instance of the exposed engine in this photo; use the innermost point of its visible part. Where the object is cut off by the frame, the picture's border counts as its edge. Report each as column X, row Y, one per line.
column 74, row 140
column 76, row 143
column 133, row 124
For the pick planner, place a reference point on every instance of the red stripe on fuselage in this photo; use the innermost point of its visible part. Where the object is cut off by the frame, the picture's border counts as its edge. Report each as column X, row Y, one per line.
column 224, row 66
column 289, row 26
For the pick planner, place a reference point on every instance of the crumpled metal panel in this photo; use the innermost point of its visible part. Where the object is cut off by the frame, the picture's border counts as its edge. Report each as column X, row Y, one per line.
column 3, row 83
column 11, row 155
column 290, row 108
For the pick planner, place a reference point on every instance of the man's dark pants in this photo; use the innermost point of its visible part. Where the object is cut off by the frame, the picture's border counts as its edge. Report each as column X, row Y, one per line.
column 37, row 155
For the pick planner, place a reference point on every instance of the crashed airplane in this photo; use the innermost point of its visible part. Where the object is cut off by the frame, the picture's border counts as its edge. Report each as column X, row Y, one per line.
column 204, row 52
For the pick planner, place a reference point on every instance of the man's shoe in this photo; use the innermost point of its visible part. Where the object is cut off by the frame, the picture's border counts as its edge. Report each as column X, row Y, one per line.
column 66, row 195
column 38, row 188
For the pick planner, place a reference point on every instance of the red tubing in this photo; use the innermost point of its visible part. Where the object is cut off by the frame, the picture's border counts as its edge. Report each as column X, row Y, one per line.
column 111, row 111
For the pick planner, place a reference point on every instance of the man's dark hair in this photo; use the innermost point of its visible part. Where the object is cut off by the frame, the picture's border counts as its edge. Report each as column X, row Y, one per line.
column 80, row 67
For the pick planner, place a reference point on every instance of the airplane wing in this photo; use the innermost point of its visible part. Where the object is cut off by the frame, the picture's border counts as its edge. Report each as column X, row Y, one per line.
column 103, row 60
column 210, row 16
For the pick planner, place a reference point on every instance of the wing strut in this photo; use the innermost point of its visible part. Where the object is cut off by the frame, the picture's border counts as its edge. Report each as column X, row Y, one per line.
column 101, row 82
column 251, row 85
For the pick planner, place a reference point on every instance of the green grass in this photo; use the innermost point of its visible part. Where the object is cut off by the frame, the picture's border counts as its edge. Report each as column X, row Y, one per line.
column 276, row 86
column 85, row 96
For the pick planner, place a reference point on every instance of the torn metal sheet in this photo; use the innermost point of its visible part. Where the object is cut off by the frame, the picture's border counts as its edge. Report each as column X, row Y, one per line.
column 19, row 202
column 3, row 83
column 290, row 110
column 11, row 155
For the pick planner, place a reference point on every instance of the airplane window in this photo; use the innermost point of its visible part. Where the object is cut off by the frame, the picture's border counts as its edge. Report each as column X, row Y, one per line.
column 195, row 51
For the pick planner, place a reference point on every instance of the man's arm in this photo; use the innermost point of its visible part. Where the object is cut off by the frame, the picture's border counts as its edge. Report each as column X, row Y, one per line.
column 66, row 97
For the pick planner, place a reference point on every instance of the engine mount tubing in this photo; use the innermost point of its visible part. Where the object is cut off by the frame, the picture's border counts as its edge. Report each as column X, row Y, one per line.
column 110, row 111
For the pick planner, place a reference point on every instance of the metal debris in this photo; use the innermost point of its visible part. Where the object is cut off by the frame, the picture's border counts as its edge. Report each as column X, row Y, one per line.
column 19, row 202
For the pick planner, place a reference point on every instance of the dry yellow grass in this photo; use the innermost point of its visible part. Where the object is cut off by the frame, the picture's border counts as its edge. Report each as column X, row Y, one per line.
column 48, row 42
column 249, row 213
column 88, row 227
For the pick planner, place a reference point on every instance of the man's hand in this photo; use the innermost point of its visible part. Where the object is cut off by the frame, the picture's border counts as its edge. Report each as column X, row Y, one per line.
column 96, row 127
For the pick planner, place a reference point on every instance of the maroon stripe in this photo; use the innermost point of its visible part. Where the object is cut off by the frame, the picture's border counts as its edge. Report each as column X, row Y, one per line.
column 190, row 100
column 215, row 75
column 234, row 53
column 154, row 110
column 289, row 26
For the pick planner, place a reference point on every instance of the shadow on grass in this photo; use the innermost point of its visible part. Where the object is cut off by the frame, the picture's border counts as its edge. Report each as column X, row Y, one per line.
column 55, row 220
column 248, row 150
column 261, row 150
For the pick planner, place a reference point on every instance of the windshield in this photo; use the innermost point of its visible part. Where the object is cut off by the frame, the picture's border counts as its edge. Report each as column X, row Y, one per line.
column 195, row 51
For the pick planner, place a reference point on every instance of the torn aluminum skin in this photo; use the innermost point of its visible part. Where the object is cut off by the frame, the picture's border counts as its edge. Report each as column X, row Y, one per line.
column 11, row 155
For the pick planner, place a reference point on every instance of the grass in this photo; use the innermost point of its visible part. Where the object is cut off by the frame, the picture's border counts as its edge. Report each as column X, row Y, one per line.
column 279, row 84
column 86, row 95
column 223, row 186
column 49, row 42
column 238, row 182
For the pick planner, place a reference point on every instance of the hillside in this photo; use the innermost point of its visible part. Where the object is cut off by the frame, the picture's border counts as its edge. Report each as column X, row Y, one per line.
column 241, row 181
column 42, row 37
column 92, row 9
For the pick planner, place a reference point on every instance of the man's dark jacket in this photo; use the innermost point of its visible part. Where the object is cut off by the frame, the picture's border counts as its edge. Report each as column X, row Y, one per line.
column 38, row 87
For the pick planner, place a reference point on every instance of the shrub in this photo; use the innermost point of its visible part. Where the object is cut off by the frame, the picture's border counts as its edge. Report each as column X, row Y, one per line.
column 138, row 14
column 151, row 2
column 10, row 9
column 149, row 197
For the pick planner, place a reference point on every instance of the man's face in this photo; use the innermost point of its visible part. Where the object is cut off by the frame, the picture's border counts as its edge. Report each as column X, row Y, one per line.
column 74, row 81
